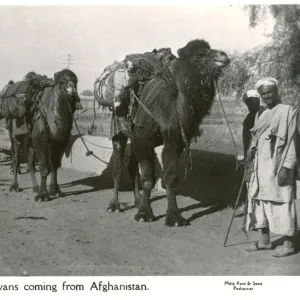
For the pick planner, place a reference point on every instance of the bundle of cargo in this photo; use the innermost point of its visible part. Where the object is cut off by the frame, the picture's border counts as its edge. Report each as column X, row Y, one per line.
column 16, row 100
column 134, row 68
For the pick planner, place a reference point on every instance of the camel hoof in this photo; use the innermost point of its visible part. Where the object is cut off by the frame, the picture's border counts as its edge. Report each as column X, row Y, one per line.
column 175, row 219
column 54, row 191
column 15, row 187
column 114, row 207
column 57, row 192
column 41, row 198
column 142, row 216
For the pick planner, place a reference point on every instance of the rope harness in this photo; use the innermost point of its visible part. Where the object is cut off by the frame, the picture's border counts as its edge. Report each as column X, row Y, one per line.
column 188, row 155
column 88, row 152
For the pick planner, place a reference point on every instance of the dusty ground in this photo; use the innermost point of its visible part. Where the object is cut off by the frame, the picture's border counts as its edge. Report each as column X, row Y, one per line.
column 74, row 235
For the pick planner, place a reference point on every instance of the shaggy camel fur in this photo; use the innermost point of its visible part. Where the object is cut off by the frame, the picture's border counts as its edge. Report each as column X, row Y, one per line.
column 52, row 123
column 177, row 112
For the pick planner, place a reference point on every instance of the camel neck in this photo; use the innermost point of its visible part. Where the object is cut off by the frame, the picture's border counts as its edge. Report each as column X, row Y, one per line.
column 61, row 107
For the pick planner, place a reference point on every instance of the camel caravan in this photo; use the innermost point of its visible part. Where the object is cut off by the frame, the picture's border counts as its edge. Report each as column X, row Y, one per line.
column 156, row 99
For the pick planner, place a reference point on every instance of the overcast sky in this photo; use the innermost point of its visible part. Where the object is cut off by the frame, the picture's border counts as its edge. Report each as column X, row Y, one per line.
column 38, row 38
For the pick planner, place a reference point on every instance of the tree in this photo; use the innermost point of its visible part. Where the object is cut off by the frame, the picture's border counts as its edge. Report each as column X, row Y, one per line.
column 286, row 33
column 280, row 58
column 87, row 93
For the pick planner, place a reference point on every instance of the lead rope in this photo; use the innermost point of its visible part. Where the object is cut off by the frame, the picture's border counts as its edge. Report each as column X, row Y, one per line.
column 89, row 152
column 227, row 123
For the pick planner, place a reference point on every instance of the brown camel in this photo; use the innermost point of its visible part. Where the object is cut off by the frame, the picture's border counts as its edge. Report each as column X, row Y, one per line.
column 51, row 126
column 51, row 129
column 15, row 107
column 176, row 111
column 49, row 119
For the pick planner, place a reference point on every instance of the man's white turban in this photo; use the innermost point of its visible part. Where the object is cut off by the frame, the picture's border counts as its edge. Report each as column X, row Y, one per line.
column 266, row 81
column 250, row 94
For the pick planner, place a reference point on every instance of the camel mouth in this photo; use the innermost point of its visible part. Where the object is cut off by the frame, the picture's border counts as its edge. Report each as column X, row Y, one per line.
column 222, row 64
column 71, row 90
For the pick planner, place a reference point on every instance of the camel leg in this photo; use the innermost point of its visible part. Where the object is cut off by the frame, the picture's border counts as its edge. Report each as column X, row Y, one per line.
column 170, row 157
column 55, row 160
column 41, row 148
column 119, row 144
column 12, row 151
column 133, row 169
column 31, row 167
column 16, row 144
column 147, row 165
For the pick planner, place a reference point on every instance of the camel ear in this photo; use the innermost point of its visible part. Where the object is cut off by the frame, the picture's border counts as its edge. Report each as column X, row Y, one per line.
column 154, row 51
column 181, row 53
column 56, row 76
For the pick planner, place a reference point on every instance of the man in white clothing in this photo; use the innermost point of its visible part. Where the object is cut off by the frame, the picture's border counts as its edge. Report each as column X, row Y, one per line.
column 271, row 193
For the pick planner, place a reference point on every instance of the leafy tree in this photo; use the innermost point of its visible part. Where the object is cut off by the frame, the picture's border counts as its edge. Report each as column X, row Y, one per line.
column 87, row 93
column 279, row 59
column 286, row 37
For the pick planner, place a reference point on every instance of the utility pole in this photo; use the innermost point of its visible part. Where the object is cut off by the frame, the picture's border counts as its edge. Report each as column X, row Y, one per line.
column 68, row 60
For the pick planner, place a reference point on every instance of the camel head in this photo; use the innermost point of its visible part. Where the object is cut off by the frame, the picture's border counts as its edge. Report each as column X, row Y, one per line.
column 199, row 53
column 165, row 55
column 66, row 81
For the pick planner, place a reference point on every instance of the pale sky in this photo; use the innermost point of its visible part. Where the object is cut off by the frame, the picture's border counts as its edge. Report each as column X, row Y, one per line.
column 38, row 38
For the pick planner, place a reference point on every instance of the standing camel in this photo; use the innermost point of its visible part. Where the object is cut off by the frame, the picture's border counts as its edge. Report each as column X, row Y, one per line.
column 51, row 129
column 15, row 107
column 112, row 89
column 176, row 111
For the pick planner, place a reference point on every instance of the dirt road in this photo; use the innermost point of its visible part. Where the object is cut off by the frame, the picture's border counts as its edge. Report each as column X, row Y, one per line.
column 74, row 235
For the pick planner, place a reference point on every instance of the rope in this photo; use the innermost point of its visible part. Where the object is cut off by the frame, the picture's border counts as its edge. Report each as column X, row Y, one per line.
column 98, row 145
column 227, row 123
column 91, row 129
column 188, row 156
column 89, row 152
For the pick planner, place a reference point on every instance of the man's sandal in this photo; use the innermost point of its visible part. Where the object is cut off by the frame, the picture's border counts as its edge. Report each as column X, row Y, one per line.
column 283, row 251
column 257, row 247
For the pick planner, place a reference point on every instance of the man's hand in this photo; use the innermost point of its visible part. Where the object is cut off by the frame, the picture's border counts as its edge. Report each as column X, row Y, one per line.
column 282, row 176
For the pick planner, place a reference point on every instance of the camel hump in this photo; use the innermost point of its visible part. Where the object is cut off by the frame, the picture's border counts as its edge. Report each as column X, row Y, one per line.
column 148, row 63
column 18, row 88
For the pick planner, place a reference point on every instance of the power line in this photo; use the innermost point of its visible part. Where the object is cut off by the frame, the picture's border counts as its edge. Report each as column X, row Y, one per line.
column 68, row 60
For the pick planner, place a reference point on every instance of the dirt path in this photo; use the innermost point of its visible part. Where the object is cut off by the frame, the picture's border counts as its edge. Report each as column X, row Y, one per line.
column 75, row 235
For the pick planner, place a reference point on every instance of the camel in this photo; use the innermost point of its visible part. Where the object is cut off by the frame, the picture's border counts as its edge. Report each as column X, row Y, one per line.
column 176, row 111
column 49, row 112
column 113, row 84
column 51, row 129
column 15, row 107
column 51, row 124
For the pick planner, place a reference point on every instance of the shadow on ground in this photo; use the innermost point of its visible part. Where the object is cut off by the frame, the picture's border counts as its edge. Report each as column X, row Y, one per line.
column 213, row 180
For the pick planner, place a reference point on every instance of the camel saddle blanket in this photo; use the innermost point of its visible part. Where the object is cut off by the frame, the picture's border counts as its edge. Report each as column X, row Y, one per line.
column 148, row 96
column 16, row 100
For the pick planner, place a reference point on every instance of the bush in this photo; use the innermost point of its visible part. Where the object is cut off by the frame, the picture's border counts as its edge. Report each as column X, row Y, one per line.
column 87, row 93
